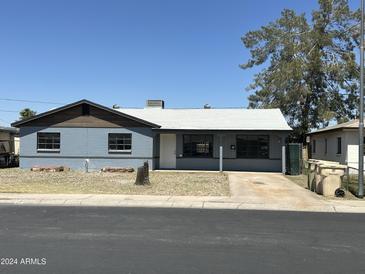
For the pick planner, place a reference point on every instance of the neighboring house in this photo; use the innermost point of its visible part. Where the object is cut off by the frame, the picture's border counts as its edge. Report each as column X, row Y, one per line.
column 9, row 145
column 85, row 133
column 337, row 143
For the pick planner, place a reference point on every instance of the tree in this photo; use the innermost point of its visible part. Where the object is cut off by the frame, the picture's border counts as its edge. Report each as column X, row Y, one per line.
column 26, row 113
column 311, row 72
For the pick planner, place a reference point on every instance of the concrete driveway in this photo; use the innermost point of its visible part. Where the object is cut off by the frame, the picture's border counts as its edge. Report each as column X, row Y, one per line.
column 273, row 190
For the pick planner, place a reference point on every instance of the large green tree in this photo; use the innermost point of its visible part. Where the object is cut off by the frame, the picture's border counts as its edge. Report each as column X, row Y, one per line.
column 309, row 67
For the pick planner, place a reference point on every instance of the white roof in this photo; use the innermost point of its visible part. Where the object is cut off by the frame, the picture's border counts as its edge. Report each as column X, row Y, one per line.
column 212, row 119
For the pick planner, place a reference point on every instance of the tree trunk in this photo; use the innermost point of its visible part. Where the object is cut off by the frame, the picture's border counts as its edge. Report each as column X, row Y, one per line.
column 140, row 176
column 304, row 126
column 143, row 175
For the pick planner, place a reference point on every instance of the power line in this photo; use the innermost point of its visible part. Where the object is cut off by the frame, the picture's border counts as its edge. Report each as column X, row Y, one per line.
column 31, row 101
column 5, row 110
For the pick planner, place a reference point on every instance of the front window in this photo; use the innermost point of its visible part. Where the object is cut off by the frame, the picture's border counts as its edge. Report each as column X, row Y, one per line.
column 198, row 145
column 252, row 146
column 48, row 141
column 120, row 142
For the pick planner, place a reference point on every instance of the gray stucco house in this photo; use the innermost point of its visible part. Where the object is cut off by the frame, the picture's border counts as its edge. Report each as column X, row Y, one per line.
column 85, row 133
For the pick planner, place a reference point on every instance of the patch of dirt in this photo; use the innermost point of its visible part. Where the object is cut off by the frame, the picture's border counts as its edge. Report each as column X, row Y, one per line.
column 162, row 183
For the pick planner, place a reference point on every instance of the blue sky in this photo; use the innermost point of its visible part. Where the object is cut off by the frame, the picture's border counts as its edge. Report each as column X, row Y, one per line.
column 124, row 52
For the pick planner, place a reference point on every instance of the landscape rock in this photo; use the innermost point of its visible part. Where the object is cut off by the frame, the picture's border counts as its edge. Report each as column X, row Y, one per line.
column 50, row 168
column 117, row 169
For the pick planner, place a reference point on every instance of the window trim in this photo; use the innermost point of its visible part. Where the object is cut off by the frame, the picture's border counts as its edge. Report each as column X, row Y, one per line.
column 203, row 156
column 50, row 150
column 257, row 135
column 120, row 151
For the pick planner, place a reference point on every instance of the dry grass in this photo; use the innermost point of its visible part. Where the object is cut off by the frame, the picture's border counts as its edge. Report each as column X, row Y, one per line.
column 300, row 180
column 352, row 184
column 162, row 183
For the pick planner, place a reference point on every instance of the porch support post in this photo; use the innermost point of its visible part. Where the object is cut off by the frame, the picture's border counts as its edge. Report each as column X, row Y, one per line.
column 283, row 160
column 220, row 158
column 220, row 153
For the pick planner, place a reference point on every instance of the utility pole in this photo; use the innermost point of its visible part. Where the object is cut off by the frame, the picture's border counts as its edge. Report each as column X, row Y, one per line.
column 361, row 108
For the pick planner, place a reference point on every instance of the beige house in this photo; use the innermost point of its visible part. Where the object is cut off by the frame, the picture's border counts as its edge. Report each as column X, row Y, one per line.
column 9, row 145
column 337, row 143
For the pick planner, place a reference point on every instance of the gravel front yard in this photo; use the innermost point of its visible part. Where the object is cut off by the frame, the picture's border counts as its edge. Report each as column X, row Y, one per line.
column 162, row 183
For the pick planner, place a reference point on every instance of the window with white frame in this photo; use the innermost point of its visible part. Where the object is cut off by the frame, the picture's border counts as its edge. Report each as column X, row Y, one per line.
column 48, row 141
column 120, row 142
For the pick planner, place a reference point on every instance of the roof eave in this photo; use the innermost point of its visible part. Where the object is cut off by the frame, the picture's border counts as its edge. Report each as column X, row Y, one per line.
column 219, row 129
column 330, row 130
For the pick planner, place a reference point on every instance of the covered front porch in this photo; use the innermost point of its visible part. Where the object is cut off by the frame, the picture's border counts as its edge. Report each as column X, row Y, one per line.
column 220, row 150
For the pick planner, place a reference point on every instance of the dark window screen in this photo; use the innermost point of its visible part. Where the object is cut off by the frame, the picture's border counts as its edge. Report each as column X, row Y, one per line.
column 120, row 142
column 48, row 140
column 252, row 146
column 198, row 145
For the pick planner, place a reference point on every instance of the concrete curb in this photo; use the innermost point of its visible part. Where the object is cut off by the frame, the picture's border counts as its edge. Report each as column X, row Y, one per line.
column 197, row 202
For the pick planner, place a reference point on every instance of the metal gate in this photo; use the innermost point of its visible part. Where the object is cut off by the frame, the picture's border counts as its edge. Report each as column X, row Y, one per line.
column 294, row 158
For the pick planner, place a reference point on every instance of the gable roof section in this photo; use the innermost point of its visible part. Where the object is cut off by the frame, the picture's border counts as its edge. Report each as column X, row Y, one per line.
column 84, row 101
column 212, row 119
column 353, row 124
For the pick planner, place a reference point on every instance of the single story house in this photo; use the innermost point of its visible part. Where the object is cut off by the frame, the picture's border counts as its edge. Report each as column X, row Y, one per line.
column 338, row 143
column 86, row 134
column 9, row 145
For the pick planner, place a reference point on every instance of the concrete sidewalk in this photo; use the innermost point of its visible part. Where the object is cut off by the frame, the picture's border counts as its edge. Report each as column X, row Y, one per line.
column 199, row 202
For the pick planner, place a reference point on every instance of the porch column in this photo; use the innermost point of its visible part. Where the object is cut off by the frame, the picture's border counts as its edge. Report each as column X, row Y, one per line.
column 220, row 158
column 283, row 157
column 221, row 153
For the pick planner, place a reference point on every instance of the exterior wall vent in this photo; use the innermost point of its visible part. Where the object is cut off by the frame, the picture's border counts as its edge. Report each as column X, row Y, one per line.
column 155, row 104
column 85, row 109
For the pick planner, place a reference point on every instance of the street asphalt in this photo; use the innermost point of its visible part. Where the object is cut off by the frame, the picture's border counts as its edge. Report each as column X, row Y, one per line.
column 151, row 240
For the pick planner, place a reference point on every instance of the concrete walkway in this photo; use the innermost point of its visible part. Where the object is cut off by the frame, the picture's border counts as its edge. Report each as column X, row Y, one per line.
column 119, row 200
column 272, row 189
column 200, row 202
